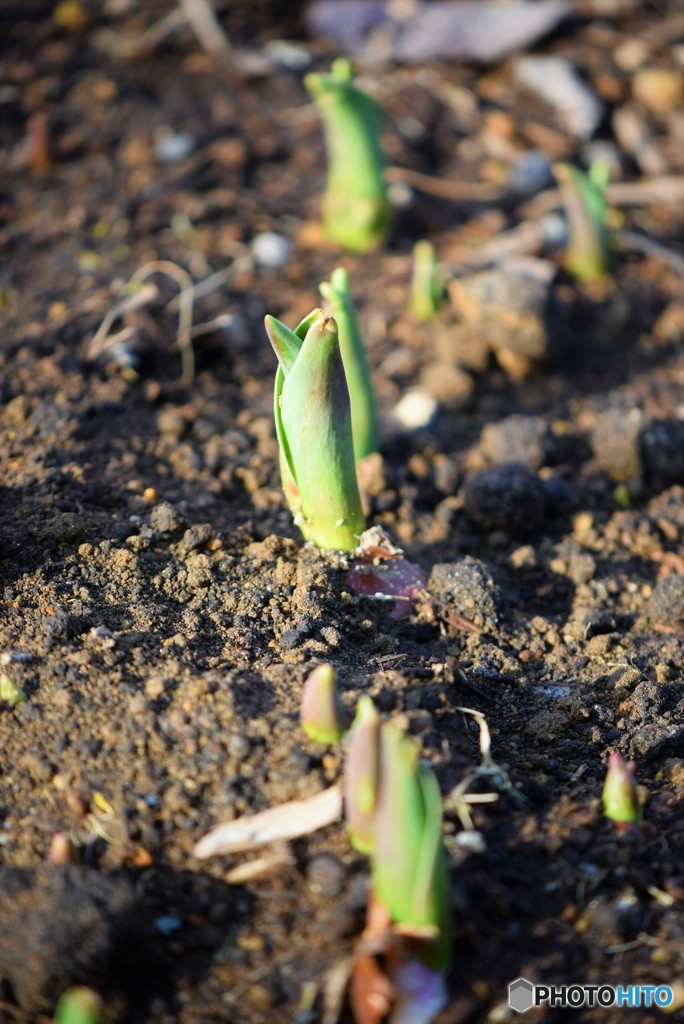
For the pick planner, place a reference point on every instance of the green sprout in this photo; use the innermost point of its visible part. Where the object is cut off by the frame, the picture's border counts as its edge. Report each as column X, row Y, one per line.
column 10, row 691
column 621, row 802
column 589, row 255
column 356, row 211
column 361, row 770
column 79, row 1005
column 427, row 287
column 321, row 714
column 314, row 428
column 356, row 367
column 409, row 864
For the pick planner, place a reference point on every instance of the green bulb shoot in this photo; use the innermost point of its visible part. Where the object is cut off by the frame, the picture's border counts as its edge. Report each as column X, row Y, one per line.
column 356, row 367
column 590, row 254
column 620, row 796
column 79, row 1005
column 427, row 287
column 10, row 691
column 361, row 772
column 409, row 866
column 314, row 428
column 321, row 713
column 356, row 211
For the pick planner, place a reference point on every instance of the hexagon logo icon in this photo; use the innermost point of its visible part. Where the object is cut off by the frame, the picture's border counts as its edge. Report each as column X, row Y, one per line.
column 521, row 995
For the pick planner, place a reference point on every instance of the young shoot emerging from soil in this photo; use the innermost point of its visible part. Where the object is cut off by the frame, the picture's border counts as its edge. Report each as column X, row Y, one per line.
column 427, row 287
column 322, row 715
column 620, row 797
column 589, row 255
column 357, row 370
column 393, row 809
column 314, row 427
column 356, row 211
column 79, row 1005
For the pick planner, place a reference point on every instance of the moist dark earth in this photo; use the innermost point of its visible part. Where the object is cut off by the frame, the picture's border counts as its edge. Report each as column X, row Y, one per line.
column 161, row 611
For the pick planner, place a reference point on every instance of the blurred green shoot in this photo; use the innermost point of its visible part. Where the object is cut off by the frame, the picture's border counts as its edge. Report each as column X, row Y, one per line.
column 356, row 211
column 322, row 715
column 361, row 772
column 409, row 865
column 622, row 496
column 356, row 367
column 314, row 428
column 621, row 801
column 79, row 1005
column 10, row 691
column 589, row 255
column 427, row 287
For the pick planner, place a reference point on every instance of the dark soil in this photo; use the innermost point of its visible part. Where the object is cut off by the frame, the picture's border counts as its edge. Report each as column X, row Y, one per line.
column 161, row 612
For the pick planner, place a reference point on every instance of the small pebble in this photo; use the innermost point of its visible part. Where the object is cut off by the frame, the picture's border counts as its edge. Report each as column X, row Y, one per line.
column 416, row 409
column 473, row 842
column 615, row 442
column 631, row 54
column 524, row 557
column 523, row 439
column 556, row 80
column 325, row 875
column 659, row 89
column 270, row 250
column 167, row 924
column 171, row 147
column 288, row 54
column 155, row 687
column 238, row 746
column 165, row 519
column 7, row 657
column 531, row 173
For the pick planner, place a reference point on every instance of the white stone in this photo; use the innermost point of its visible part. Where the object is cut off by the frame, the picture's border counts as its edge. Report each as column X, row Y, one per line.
column 416, row 409
column 271, row 250
column 555, row 80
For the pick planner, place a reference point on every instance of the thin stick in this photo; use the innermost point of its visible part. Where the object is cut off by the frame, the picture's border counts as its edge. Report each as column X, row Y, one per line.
column 185, row 302
column 202, row 19
column 447, row 188
column 664, row 191
column 667, row 190
column 101, row 339
column 632, row 240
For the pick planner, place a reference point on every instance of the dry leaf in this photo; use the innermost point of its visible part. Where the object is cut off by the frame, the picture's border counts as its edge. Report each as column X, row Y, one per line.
column 287, row 821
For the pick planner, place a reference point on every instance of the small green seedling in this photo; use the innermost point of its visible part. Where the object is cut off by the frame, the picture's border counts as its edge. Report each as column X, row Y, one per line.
column 361, row 773
column 356, row 211
column 356, row 367
column 10, row 691
column 589, row 255
column 409, row 864
column 427, row 287
column 314, row 428
column 621, row 802
column 79, row 1005
column 321, row 713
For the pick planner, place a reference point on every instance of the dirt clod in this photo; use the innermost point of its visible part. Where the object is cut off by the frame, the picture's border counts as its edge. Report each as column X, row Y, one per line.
column 508, row 497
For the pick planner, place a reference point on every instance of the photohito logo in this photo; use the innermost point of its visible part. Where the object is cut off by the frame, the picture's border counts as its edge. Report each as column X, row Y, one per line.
column 523, row 995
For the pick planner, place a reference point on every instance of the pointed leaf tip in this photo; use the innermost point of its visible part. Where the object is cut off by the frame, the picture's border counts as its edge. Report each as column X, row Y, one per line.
column 286, row 343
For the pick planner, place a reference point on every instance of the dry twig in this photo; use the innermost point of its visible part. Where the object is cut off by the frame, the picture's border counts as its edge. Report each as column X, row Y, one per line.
column 202, row 19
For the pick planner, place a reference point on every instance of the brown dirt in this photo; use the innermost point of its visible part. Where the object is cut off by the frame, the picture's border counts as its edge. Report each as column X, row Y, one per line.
column 161, row 613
